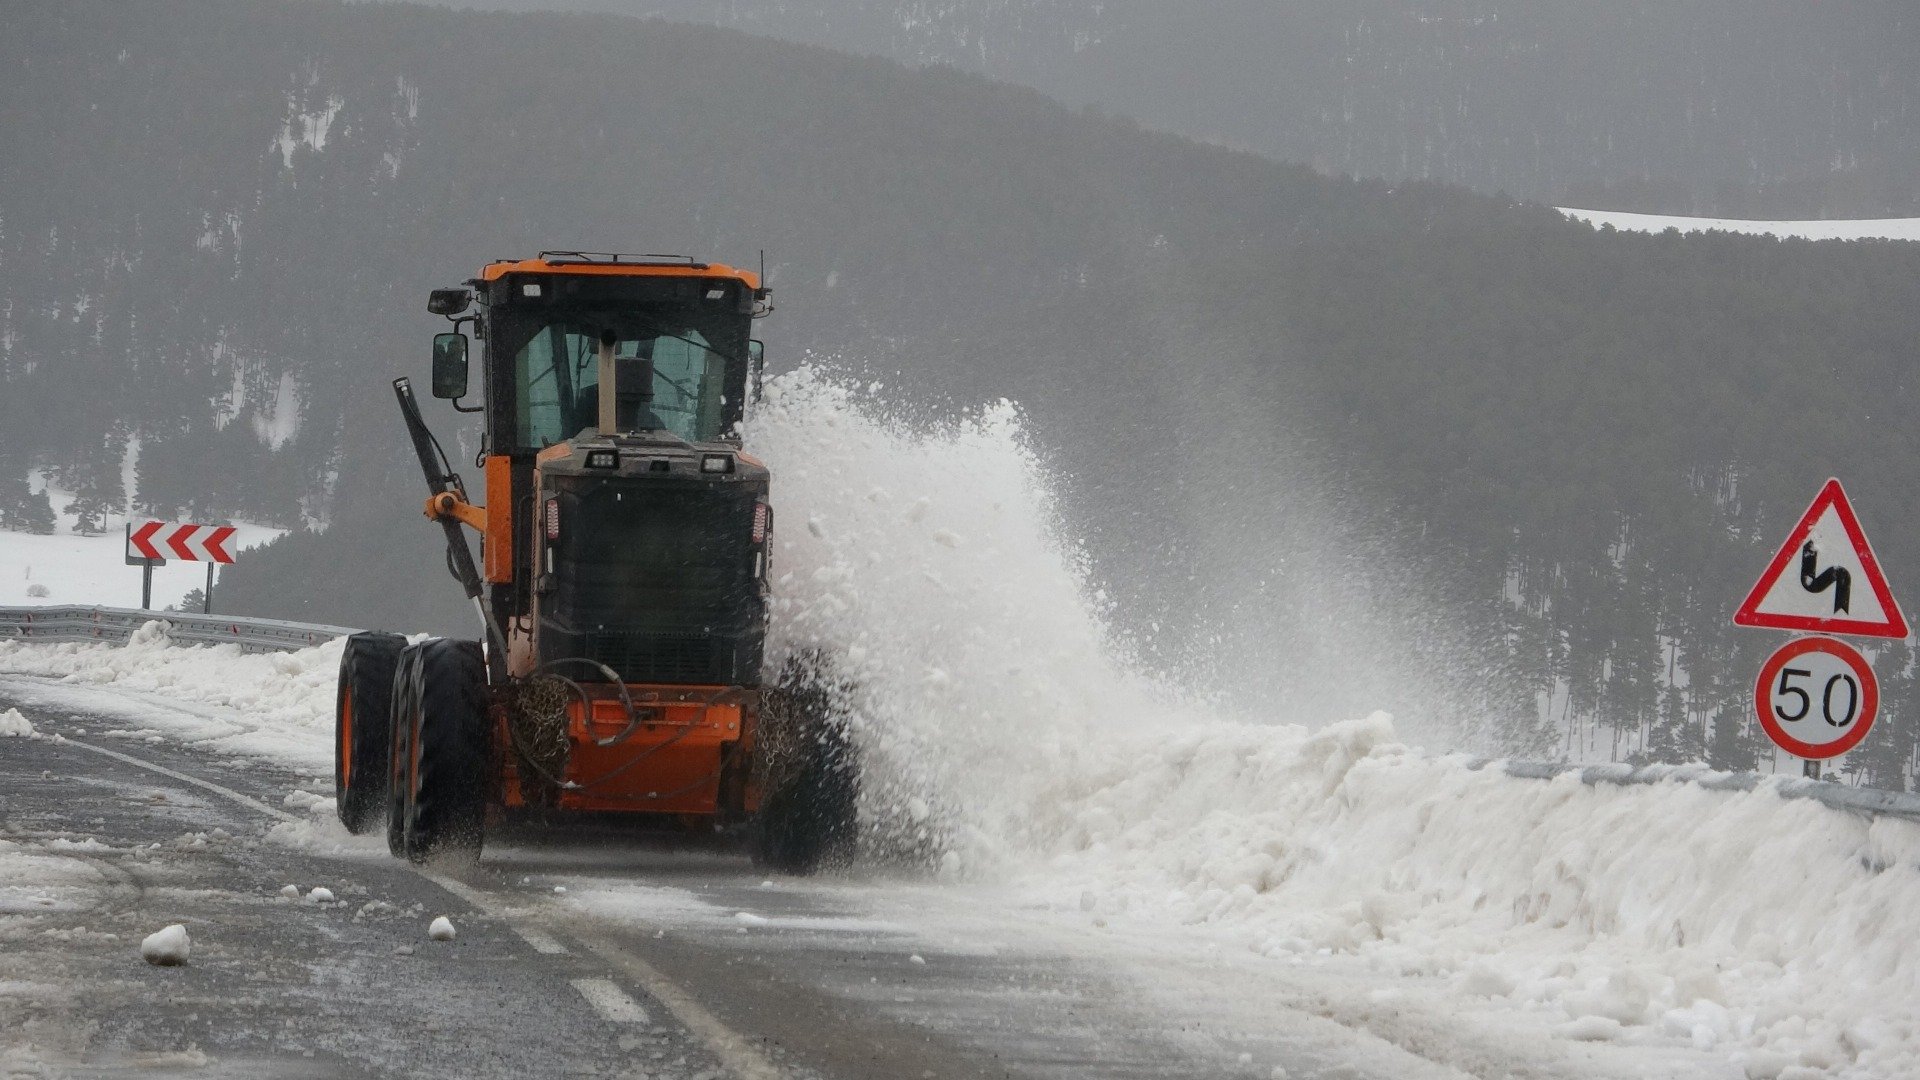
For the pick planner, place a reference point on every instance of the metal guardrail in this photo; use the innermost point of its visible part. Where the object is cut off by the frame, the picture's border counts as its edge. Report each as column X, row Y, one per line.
column 107, row 624
column 1869, row 802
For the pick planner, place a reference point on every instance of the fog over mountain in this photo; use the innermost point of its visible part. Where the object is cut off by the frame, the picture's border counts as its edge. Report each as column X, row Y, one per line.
column 1743, row 108
column 1544, row 460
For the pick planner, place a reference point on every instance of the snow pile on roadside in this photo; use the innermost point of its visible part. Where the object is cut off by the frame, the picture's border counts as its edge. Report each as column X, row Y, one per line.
column 14, row 725
column 1778, row 931
column 271, row 705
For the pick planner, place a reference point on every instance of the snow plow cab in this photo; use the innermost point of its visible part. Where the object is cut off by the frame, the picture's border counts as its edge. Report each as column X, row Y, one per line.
column 622, row 585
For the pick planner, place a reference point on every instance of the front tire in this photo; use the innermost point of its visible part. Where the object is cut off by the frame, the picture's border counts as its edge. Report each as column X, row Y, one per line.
column 361, row 712
column 442, row 767
column 404, row 702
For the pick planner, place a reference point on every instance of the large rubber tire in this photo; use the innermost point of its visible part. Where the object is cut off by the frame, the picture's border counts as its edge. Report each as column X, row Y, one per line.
column 404, row 702
column 445, row 780
column 361, row 711
column 807, row 810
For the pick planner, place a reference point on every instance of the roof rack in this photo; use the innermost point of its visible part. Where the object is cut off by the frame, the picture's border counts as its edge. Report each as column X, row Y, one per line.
column 609, row 258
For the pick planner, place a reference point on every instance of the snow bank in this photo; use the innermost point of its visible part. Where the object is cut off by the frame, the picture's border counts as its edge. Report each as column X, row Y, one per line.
column 1722, row 919
column 270, row 705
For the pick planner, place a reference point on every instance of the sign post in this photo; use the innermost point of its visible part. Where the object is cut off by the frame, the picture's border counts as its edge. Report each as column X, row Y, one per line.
column 153, row 542
column 1816, row 697
column 146, row 564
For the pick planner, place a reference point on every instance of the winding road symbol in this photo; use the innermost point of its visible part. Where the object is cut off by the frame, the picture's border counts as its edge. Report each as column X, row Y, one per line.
column 1815, row 580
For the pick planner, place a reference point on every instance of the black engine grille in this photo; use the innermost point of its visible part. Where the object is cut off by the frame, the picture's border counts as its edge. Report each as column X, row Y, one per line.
column 655, row 578
column 654, row 657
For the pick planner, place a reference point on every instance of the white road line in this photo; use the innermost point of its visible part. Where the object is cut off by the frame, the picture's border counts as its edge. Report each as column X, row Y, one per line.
column 225, row 793
column 541, row 941
column 610, row 1001
column 737, row 1054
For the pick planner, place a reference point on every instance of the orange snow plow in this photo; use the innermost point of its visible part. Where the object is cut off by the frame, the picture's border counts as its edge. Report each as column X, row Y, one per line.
column 622, row 586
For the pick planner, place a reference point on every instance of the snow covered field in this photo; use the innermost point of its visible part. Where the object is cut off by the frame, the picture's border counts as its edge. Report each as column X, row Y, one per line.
column 1653, row 931
column 1832, row 229
column 76, row 569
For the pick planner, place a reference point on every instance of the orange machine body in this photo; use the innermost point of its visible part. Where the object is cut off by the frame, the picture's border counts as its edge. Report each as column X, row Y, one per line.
column 687, row 755
column 683, row 751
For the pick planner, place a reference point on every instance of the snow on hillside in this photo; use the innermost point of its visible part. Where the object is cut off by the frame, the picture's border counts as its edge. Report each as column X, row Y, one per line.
column 73, row 568
column 1835, row 229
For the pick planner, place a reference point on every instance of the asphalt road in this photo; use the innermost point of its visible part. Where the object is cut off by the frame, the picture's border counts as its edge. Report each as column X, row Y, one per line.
column 576, row 955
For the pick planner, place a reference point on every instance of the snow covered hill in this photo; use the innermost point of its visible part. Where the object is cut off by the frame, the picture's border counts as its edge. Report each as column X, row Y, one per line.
column 1833, row 229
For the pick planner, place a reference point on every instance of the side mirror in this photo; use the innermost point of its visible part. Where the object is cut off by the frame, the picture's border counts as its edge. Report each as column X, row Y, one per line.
column 756, row 365
column 449, row 365
column 448, row 301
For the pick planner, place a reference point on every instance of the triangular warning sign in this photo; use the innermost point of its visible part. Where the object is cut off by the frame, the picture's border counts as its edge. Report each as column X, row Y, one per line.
column 1825, row 578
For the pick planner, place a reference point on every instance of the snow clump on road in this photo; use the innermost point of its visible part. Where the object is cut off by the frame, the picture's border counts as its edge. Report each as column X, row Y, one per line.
column 168, row 947
column 441, row 929
column 13, row 725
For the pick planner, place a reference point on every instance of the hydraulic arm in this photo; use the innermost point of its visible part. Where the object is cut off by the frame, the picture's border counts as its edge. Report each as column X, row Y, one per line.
column 446, row 500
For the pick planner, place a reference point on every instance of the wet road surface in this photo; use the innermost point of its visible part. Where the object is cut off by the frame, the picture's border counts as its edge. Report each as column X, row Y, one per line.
column 586, row 955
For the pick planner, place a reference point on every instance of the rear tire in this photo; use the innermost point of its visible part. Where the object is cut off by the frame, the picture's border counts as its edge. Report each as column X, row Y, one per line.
column 361, row 713
column 812, row 782
column 444, row 761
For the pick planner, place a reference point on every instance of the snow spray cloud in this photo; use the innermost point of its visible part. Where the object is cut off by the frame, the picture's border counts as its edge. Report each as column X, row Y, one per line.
column 925, row 561
column 927, row 558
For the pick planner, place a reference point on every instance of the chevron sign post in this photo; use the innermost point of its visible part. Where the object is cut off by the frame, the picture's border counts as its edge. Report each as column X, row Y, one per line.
column 188, row 543
column 151, row 543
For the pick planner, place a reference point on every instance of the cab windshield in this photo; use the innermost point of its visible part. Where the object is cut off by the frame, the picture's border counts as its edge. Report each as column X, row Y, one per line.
column 694, row 329
column 558, row 373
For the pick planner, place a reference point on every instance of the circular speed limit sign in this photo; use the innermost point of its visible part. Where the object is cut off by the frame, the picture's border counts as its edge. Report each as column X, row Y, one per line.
column 1816, row 697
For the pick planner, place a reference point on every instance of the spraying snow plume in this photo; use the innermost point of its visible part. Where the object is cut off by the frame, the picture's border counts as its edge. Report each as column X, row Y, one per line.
column 927, row 563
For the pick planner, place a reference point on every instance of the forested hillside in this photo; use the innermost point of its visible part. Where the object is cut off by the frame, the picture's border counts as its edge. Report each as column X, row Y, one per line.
column 1278, row 405
column 1739, row 108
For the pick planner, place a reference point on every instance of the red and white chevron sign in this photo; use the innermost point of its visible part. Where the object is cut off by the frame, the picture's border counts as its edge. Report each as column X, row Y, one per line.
column 173, row 540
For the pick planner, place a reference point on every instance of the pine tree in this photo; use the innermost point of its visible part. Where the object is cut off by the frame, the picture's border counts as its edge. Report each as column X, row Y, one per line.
column 24, row 510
